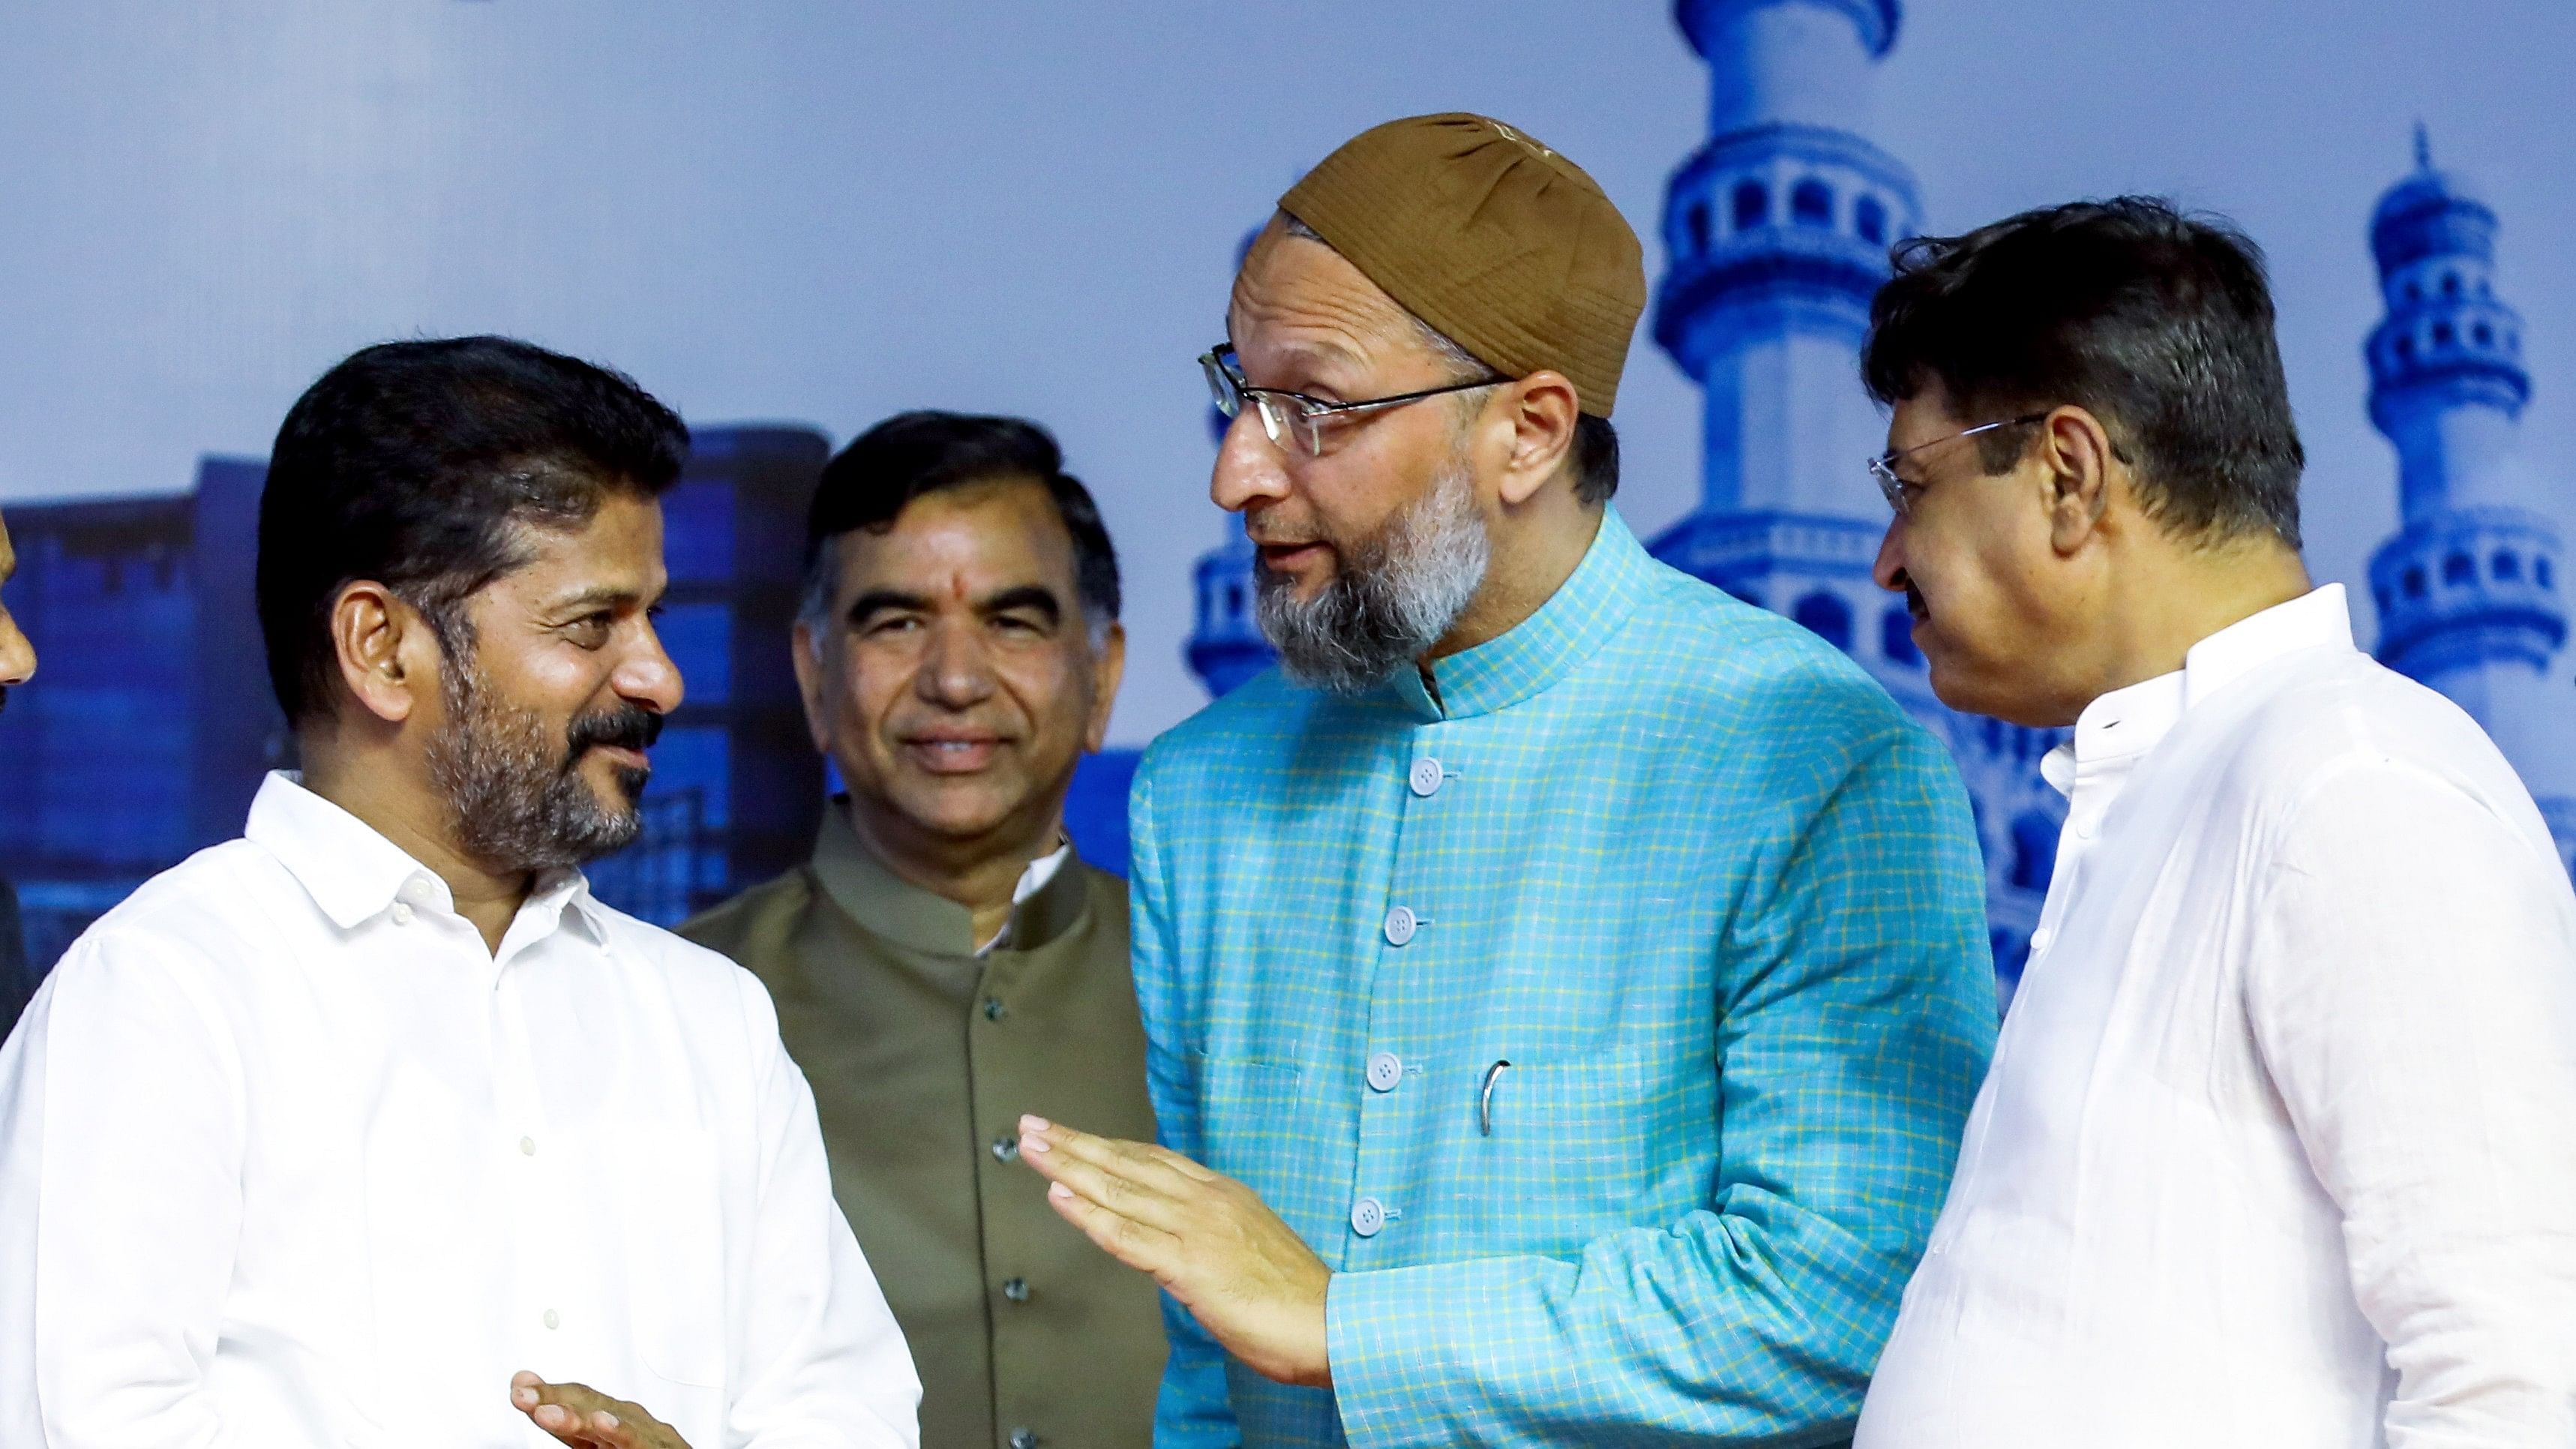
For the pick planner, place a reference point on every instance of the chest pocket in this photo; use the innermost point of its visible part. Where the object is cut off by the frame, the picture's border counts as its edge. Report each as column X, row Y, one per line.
column 666, row 1183
column 1249, row 1113
column 1628, row 1134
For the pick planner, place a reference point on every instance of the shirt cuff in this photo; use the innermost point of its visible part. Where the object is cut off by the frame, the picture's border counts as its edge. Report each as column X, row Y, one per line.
column 1399, row 1379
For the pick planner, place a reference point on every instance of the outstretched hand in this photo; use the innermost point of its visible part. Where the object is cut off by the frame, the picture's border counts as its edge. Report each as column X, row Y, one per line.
column 580, row 1414
column 1244, row 1274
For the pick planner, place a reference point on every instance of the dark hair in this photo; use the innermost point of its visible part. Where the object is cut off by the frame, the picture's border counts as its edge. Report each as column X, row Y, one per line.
column 870, row 482
column 2158, row 322
column 1596, row 459
column 415, row 464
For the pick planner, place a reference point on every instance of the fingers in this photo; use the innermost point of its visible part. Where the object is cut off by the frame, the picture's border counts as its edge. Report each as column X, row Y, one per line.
column 1129, row 1178
column 581, row 1415
column 1146, row 1249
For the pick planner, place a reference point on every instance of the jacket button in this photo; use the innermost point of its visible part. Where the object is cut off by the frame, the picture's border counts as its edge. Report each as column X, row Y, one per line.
column 993, row 1008
column 1367, row 1216
column 1006, row 1149
column 1024, row 1439
column 1017, row 1290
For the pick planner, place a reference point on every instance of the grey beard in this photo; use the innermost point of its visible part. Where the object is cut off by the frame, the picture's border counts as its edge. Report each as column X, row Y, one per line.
column 1395, row 596
column 514, row 799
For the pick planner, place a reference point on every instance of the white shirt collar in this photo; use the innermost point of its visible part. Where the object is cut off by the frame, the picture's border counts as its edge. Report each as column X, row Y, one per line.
column 2123, row 725
column 354, row 873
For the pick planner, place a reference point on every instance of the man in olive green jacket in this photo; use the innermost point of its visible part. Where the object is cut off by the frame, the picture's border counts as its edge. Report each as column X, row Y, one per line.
column 946, row 962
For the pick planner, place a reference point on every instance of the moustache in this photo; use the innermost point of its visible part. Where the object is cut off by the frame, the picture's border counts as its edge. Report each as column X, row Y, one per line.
column 627, row 727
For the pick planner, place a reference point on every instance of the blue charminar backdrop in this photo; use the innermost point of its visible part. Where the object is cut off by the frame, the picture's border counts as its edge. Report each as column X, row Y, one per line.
column 834, row 212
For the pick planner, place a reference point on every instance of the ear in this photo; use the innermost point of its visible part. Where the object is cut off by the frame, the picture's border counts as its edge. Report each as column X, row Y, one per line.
column 805, row 653
column 387, row 652
column 1541, row 409
column 1108, row 668
column 2075, row 456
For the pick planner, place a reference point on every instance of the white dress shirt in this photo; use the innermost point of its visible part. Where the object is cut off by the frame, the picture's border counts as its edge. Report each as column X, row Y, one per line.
column 290, row 1159
column 2279, row 1145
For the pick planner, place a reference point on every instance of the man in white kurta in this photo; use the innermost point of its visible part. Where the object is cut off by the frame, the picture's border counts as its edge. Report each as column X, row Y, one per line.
column 2280, row 1139
column 2278, row 1147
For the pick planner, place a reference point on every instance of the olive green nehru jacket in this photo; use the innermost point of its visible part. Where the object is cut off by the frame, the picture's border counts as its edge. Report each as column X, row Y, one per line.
column 922, row 1057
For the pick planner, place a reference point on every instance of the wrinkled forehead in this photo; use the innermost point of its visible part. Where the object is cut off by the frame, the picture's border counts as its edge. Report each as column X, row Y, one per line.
column 1297, row 297
column 996, row 532
column 1921, row 418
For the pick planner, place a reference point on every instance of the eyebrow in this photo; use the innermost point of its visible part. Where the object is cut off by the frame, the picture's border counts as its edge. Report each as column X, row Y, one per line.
column 1036, row 597
column 603, row 596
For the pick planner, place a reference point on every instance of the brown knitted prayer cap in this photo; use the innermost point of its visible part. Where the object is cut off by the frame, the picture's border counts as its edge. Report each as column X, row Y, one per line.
column 1489, row 236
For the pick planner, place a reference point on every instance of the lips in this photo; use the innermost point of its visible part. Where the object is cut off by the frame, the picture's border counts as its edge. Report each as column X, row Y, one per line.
column 1289, row 555
column 952, row 754
column 622, row 757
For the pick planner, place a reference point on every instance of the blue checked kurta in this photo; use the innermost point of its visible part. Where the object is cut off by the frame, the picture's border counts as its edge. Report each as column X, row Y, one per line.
column 1718, row 903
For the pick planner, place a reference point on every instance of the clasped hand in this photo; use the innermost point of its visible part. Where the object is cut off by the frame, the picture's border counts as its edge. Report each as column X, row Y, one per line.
column 1245, row 1275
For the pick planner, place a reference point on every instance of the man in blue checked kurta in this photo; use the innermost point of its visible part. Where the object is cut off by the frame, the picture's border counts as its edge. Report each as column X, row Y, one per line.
column 1565, row 984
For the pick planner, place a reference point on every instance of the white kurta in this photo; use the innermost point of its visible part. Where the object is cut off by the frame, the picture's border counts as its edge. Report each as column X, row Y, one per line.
column 289, row 1158
column 2279, row 1144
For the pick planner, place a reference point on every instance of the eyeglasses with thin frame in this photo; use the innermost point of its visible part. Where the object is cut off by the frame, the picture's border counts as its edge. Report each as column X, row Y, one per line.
column 1900, row 492
column 1285, row 414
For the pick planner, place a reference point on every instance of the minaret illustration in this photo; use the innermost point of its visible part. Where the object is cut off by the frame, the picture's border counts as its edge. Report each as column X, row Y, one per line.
column 2472, row 590
column 1225, row 646
column 1777, row 232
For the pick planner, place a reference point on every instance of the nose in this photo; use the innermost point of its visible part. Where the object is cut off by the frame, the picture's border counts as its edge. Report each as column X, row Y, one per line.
column 648, row 677
column 956, row 669
column 1249, row 467
column 1888, row 570
column 17, row 656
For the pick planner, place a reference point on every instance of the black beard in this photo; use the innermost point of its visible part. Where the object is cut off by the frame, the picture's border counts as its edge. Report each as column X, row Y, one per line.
column 516, row 799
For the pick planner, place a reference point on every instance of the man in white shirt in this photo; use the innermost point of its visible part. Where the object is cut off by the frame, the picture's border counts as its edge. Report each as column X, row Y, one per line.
column 373, row 1128
column 2279, row 1143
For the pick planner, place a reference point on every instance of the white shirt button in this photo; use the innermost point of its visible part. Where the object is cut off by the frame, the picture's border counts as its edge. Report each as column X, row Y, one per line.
column 551, row 1320
column 1367, row 1216
column 1425, row 777
column 1400, row 926
column 1385, row 1070
column 2040, row 938
column 418, row 891
column 527, row 1147
column 402, row 913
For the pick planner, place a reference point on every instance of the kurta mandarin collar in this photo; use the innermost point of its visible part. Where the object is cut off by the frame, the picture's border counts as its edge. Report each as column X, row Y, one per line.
column 922, row 919
column 2122, row 726
column 1581, row 616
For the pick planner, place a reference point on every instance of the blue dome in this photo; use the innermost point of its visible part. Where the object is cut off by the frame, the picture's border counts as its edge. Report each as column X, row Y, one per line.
column 2430, row 213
